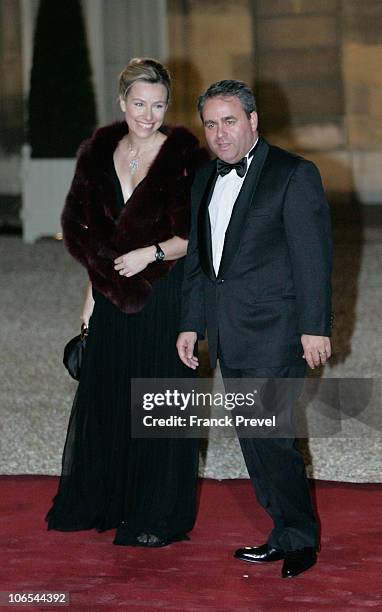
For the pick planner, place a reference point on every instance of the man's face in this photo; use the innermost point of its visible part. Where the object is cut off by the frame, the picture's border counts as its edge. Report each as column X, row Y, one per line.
column 229, row 132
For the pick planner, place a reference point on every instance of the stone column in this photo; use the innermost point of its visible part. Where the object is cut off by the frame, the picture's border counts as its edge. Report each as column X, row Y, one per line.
column 28, row 16
column 93, row 15
column 131, row 29
column 11, row 97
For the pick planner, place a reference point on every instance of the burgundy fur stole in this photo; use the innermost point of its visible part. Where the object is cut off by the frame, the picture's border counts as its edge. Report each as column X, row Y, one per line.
column 94, row 231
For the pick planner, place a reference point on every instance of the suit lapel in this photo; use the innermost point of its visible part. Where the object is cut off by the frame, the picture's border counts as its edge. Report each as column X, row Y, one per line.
column 204, row 226
column 241, row 206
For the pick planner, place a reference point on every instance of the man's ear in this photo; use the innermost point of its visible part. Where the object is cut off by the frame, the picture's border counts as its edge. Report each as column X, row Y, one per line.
column 253, row 121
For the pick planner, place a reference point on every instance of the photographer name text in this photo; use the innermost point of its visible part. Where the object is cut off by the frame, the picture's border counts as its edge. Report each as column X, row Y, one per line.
column 192, row 420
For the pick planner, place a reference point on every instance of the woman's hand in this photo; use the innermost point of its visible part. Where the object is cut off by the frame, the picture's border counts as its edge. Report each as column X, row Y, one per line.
column 135, row 261
column 87, row 309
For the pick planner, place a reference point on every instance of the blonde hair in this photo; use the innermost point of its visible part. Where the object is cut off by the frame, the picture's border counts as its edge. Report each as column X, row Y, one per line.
column 143, row 69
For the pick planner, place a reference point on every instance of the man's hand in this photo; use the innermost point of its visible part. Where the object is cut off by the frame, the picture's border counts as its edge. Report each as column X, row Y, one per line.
column 317, row 349
column 185, row 345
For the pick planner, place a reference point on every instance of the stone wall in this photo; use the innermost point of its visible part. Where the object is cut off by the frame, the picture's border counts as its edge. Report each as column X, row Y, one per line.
column 208, row 40
column 11, row 95
column 362, row 69
column 315, row 66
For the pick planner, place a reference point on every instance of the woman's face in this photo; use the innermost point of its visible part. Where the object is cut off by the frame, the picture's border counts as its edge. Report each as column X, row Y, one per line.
column 144, row 108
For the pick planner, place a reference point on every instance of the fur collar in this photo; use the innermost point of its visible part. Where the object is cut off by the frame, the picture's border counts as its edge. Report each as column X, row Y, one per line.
column 158, row 209
column 96, row 152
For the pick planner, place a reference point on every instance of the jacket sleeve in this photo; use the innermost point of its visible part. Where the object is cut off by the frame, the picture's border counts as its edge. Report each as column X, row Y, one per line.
column 193, row 316
column 308, row 231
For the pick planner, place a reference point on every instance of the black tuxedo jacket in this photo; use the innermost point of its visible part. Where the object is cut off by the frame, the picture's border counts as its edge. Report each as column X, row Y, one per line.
column 273, row 283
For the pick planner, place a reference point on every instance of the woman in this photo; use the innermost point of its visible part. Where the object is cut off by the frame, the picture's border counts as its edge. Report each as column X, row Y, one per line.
column 126, row 219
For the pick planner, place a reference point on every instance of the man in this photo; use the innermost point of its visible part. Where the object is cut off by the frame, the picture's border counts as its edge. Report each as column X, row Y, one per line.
column 257, row 278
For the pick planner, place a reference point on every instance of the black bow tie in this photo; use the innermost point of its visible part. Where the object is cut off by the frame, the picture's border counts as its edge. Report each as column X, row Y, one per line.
column 223, row 168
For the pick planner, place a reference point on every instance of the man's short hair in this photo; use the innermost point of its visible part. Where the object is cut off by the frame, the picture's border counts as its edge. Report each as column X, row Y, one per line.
column 228, row 88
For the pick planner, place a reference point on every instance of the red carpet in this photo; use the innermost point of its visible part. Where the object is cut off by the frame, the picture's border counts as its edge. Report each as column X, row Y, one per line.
column 201, row 574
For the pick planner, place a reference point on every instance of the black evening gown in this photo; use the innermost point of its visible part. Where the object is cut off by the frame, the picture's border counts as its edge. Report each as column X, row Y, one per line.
column 108, row 477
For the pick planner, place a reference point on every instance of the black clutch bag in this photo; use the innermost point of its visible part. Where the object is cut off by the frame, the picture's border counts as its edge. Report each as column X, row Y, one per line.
column 74, row 353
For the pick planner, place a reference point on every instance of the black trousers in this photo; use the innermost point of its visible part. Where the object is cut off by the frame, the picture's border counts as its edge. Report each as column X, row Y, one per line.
column 277, row 472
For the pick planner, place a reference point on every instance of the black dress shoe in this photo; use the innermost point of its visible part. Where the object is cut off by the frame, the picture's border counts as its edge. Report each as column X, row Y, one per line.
column 259, row 554
column 298, row 561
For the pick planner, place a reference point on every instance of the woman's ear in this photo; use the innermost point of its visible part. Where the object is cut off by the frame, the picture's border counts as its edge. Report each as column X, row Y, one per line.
column 122, row 104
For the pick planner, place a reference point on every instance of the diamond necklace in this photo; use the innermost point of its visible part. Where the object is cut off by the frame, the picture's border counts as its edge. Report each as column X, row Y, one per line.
column 134, row 163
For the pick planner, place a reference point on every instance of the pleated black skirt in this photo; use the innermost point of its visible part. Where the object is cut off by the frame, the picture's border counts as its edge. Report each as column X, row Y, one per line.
column 108, row 477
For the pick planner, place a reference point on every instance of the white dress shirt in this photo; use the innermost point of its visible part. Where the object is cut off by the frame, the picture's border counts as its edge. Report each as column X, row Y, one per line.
column 226, row 190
